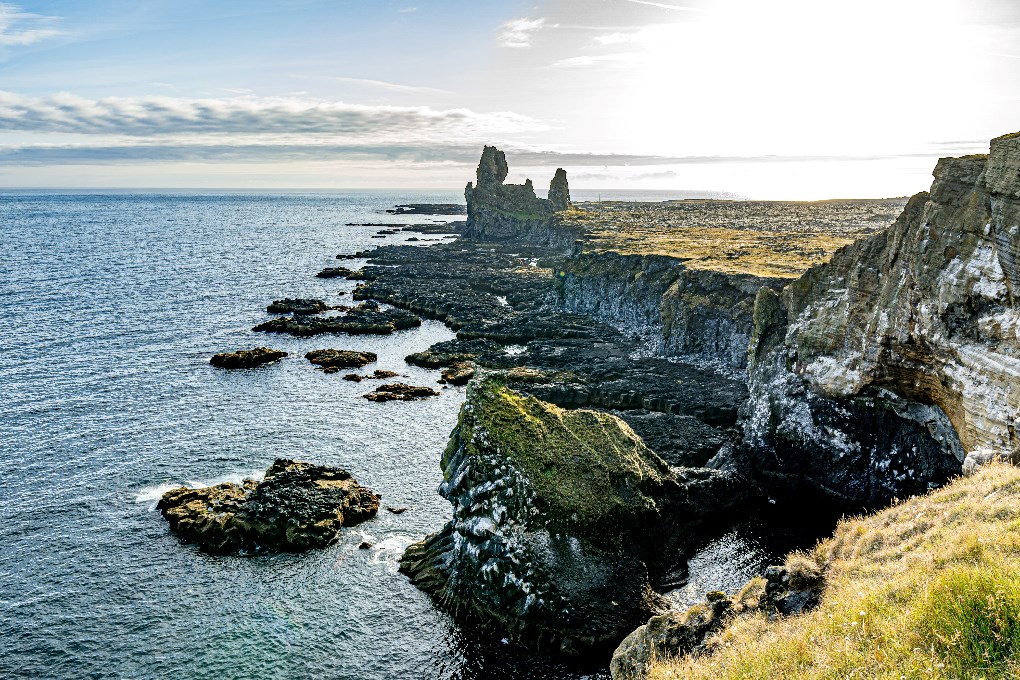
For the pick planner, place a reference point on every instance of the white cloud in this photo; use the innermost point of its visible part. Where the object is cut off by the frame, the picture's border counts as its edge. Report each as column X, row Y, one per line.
column 244, row 117
column 18, row 27
column 407, row 10
column 519, row 32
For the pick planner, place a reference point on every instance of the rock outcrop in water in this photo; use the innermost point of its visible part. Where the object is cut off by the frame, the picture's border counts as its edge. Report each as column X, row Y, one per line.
column 297, row 506
column 247, row 358
column 874, row 375
column 367, row 318
column 501, row 211
column 559, row 518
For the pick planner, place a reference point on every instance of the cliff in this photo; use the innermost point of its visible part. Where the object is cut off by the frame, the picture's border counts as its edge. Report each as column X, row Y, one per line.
column 701, row 315
column 873, row 376
column 499, row 211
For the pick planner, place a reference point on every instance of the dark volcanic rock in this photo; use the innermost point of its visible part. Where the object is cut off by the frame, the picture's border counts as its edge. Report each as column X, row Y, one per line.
column 557, row 515
column 366, row 318
column 340, row 358
column 452, row 352
column 296, row 507
column 298, row 306
column 246, row 358
column 335, row 272
column 682, row 441
column 400, row 392
column 559, row 191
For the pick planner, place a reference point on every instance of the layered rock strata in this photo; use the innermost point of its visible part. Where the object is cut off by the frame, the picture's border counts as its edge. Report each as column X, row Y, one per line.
column 297, row 506
column 874, row 375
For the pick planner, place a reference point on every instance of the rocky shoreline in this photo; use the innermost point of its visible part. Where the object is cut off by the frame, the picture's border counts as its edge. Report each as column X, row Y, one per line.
column 626, row 404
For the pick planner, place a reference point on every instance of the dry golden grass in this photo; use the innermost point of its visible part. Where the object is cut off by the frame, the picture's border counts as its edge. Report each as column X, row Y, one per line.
column 929, row 588
column 764, row 238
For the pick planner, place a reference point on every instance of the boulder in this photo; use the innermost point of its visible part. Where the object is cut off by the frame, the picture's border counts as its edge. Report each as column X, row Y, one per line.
column 458, row 374
column 297, row 506
column 246, row 358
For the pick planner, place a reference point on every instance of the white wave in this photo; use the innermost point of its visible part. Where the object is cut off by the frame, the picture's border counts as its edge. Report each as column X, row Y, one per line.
column 152, row 494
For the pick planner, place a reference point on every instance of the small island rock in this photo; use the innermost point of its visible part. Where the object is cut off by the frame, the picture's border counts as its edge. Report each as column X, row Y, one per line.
column 297, row 506
column 247, row 358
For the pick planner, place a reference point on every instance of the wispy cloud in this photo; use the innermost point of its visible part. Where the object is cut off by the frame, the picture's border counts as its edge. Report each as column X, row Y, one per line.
column 520, row 32
column 18, row 27
column 386, row 85
column 156, row 116
column 407, row 10
column 663, row 5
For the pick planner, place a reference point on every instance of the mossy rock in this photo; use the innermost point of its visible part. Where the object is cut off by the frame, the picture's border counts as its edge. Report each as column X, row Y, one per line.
column 591, row 474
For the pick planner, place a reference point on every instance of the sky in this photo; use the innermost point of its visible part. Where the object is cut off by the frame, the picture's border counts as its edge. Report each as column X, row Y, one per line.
column 783, row 99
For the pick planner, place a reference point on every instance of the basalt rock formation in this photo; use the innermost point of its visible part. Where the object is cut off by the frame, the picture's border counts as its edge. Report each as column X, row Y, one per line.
column 559, row 517
column 696, row 314
column 297, row 506
column 873, row 376
column 247, row 358
column 499, row 211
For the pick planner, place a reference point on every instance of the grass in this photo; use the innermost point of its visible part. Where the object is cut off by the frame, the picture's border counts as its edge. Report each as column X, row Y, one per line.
column 929, row 588
column 778, row 239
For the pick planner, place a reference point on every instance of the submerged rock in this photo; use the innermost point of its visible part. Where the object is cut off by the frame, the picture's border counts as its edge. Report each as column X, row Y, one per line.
column 367, row 318
column 296, row 507
column 340, row 358
column 556, row 515
column 246, row 358
column 400, row 392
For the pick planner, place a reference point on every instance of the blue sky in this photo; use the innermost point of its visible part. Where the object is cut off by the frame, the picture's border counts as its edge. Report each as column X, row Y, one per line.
column 775, row 99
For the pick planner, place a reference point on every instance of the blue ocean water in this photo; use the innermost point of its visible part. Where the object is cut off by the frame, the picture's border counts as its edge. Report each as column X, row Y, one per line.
column 111, row 305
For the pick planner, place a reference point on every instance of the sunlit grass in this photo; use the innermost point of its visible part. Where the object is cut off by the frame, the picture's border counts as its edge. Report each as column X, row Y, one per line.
column 929, row 588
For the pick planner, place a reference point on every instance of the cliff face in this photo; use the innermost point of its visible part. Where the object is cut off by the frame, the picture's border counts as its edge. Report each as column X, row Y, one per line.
column 697, row 314
column 874, row 375
column 512, row 211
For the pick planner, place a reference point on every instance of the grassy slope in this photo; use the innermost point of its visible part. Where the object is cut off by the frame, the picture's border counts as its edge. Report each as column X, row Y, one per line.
column 929, row 588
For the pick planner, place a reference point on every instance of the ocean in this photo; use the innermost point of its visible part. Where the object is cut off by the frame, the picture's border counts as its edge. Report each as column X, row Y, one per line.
column 112, row 304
